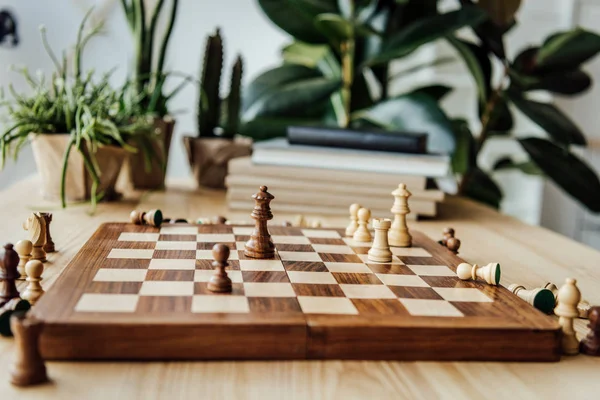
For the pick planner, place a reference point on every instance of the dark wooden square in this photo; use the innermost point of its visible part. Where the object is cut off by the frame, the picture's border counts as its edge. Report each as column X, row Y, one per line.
column 175, row 254
column 380, row 307
column 242, row 256
column 327, row 241
column 476, row 309
column 309, row 266
column 164, row 304
column 274, row 305
column 124, row 263
column 349, row 258
column 285, row 230
column 446, row 281
column 210, row 245
column 423, row 293
column 356, row 278
column 242, row 238
column 215, row 229
column 361, row 250
column 169, row 275
column 311, row 289
column 177, row 238
column 207, row 264
column 200, row 288
column 294, row 247
column 119, row 244
column 420, row 261
column 390, row 269
column 265, row 276
column 114, row 287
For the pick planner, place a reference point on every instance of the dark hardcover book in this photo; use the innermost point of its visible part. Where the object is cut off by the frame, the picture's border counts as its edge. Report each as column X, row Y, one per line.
column 397, row 142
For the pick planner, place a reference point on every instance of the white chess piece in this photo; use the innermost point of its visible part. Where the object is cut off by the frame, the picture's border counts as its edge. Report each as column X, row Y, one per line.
column 34, row 290
column 380, row 251
column 398, row 234
column 362, row 233
column 23, row 249
column 568, row 298
column 489, row 273
column 353, row 219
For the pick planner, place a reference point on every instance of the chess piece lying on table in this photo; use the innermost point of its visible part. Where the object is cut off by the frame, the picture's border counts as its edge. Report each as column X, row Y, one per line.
column 590, row 345
column 28, row 368
column 450, row 241
column 36, row 226
column 152, row 217
column 583, row 307
column 568, row 298
column 220, row 282
column 489, row 273
column 540, row 298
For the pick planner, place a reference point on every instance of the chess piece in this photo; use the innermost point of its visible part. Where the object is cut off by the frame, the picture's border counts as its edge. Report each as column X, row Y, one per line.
column 399, row 235
column 315, row 223
column 137, row 217
column 362, row 233
column 568, row 298
column 583, row 307
column 540, row 298
column 446, row 234
column 23, row 249
column 153, row 218
column 353, row 219
column 453, row 244
column 590, row 345
column 49, row 246
column 178, row 221
column 260, row 244
column 9, row 260
column 219, row 219
column 36, row 226
column 28, row 368
column 380, row 251
column 299, row 221
column 286, row 223
column 489, row 273
column 7, row 310
column 220, row 282
column 34, row 289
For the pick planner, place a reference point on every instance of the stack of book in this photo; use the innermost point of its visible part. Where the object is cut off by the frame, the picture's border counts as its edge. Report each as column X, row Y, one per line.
column 324, row 180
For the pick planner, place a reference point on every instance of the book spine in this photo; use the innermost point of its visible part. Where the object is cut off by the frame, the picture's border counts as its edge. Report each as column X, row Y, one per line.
column 400, row 142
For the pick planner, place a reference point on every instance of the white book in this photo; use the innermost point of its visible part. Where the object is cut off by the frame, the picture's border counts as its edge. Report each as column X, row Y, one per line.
column 280, row 152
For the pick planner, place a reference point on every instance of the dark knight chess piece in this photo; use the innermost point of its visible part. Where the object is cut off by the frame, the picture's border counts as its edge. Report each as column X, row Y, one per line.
column 260, row 244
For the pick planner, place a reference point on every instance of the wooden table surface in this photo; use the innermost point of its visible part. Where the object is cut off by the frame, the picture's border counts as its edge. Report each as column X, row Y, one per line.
column 529, row 255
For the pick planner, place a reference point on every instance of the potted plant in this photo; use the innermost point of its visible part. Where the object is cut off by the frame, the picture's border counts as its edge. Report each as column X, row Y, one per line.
column 149, row 78
column 73, row 112
column 218, row 120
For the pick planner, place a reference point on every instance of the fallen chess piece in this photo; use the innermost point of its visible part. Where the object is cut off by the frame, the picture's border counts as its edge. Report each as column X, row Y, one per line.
column 449, row 240
column 152, row 218
column 590, row 345
column 489, row 273
column 6, row 311
column 28, row 368
column 446, row 234
column 540, row 298
column 583, row 307
column 568, row 298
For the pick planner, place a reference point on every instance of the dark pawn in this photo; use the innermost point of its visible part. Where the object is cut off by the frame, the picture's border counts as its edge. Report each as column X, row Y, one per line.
column 220, row 282
column 28, row 368
column 219, row 220
column 9, row 260
column 49, row 246
column 446, row 234
column 590, row 345
column 260, row 244
column 453, row 244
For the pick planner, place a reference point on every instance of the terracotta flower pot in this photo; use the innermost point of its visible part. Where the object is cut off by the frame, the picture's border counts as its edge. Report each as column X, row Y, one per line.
column 209, row 157
column 48, row 152
column 153, row 179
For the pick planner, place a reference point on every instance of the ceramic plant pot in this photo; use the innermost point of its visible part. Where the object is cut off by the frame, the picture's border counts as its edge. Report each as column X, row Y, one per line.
column 48, row 152
column 154, row 178
column 208, row 158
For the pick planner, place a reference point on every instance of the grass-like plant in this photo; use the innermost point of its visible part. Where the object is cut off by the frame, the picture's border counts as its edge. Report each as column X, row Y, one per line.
column 91, row 112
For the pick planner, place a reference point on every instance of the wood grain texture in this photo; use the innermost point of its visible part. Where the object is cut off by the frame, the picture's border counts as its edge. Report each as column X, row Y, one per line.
column 529, row 256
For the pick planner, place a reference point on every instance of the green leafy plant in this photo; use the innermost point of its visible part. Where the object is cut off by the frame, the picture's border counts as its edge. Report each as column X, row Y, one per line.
column 337, row 71
column 93, row 113
column 214, row 112
column 554, row 66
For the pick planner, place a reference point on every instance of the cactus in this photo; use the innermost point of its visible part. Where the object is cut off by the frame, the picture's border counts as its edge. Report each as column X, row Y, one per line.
column 214, row 112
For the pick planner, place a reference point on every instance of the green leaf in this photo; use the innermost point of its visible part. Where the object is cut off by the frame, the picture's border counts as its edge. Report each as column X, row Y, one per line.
column 501, row 118
column 527, row 167
column 296, row 17
column 414, row 112
column 481, row 187
column 462, row 159
column 568, row 49
column 569, row 172
column 313, row 56
column 264, row 128
column 426, row 30
column 291, row 96
column 274, row 78
column 477, row 62
column 490, row 34
column 334, row 27
column 501, row 12
column 438, row 92
column 549, row 118
column 564, row 82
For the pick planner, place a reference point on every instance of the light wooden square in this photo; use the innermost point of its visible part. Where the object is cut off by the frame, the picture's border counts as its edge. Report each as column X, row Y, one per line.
column 318, row 233
column 299, row 256
column 326, row 305
column 142, row 254
column 347, row 267
column 208, row 255
column 367, row 291
column 431, row 270
column 353, row 243
column 176, row 246
column 216, row 237
column 120, row 275
column 332, row 248
column 240, row 245
column 243, row 230
column 402, row 280
column 261, row 265
column 311, row 277
column 290, row 239
column 410, row 252
column 161, row 288
column 177, row 264
column 94, row 302
column 269, row 289
column 179, row 230
column 365, row 259
column 220, row 304
column 430, row 308
column 138, row 237
column 463, row 294
column 204, row 275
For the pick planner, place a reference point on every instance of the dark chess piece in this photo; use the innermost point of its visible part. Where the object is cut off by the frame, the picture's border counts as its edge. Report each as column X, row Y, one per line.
column 453, row 244
column 28, row 368
column 446, row 234
column 590, row 345
column 49, row 246
column 178, row 221
column 220, row 282
column 9, row 260
column 6, row 311
column 154, row 218
column 219, row 220
column 260, row 244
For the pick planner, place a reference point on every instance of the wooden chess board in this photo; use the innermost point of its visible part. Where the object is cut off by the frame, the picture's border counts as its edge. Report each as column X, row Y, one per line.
column 138, row 292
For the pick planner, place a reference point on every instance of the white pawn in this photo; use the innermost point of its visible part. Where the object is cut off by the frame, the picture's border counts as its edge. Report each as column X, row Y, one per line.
column 362, row 233
column 399, row 234
column 568, row 298
column 34, row 289
column 380, row 251
column 23, row 249
column 489, row 273
column 353, row 219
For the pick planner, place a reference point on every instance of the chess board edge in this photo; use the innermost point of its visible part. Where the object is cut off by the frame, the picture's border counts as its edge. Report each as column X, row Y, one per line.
column 528, row 335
